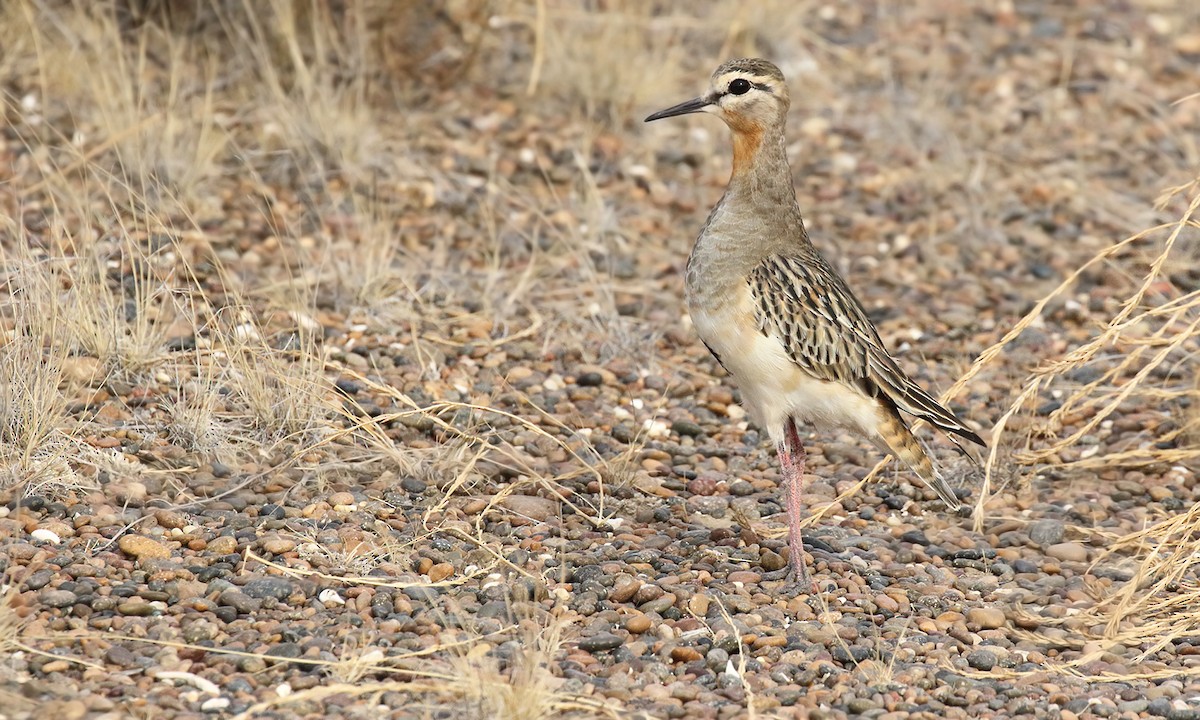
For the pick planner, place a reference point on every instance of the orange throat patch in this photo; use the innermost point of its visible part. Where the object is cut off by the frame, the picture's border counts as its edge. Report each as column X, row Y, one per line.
column 746, row 139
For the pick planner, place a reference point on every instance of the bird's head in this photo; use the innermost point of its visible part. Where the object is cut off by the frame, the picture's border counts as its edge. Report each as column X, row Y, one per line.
column 749, row 94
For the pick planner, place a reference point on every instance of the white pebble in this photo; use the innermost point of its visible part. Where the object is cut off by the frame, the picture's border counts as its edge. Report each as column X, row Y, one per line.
column 192, row 679
column 656, row 428
column 44, row 535
column 283, row 690
column 216, row 704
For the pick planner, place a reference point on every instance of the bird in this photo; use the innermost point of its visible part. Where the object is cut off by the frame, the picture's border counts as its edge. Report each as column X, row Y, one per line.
column 777, row 315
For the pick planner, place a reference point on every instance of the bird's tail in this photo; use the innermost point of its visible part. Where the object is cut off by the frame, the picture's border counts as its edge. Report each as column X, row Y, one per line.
column 900, row 441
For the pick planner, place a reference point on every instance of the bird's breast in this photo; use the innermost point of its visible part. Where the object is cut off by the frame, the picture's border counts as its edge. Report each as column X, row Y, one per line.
column 773, row 386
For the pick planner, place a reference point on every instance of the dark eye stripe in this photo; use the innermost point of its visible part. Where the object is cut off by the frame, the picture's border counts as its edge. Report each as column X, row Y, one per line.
column 757, row 86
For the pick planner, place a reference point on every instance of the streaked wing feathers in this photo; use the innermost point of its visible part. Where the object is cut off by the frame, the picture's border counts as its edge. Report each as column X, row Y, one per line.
column 805, row 303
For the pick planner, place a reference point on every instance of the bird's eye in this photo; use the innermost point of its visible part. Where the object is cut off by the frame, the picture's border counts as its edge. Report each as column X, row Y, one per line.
column 741, row 86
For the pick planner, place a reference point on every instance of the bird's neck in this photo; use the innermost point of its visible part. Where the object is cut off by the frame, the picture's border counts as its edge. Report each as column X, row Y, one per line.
column 760, row 167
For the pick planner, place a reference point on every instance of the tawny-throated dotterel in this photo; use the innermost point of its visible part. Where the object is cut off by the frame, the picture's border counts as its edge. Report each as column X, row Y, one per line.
column 778, row 316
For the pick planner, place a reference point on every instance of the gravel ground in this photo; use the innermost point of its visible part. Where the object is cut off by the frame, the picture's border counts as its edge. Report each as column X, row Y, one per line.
column 523, row 488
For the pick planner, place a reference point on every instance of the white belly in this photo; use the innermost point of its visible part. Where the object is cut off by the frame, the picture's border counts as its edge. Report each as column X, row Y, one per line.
column 773, row 387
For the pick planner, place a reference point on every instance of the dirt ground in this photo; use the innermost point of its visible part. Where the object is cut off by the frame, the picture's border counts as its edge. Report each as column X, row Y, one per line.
column 345, row 372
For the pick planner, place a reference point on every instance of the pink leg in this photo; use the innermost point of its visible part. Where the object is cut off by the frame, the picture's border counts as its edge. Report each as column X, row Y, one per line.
column 791, row 461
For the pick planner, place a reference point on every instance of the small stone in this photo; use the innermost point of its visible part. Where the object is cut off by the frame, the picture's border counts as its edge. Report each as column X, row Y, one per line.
column 590, row 379
column 239, row 601
column 223, row 545
column 57, row 598
column 274, row 587
column 413, row 486
column 136, row 608
column 341, row 498
column 46, row 535
column 886, row 603
column 716, row 659
column 214, row 705
column 740, row 488
column 638, row 624
column 601, row 641
column 626, row 590
column 38, row 579
column 538, row 509
column 143, row 548
column 1046, row 532
column 986, row 618
column 771, row 561
column 1068, row 552
column 120, row 656
column 686, row 428
column 170, row 519
column 981, row 659
column 746, row 577
column 278, row 545
column 683, row 653
column 74, row 709
column 860, row 705
column 1158, row 493
column 440, row 572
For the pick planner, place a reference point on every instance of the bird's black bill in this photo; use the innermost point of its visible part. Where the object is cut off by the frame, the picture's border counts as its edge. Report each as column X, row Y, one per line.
column 683, row 108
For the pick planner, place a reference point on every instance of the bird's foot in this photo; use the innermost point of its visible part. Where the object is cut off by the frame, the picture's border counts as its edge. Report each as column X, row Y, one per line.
column 795, row 579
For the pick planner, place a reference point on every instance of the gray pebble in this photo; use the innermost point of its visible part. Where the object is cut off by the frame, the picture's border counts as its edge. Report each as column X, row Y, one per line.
column 1046, row 532
column 39, row 579
column 601, row 641
column 120, row 656
column 982, row 659
column 717, row 659
column 239, row 601
column 57, row 598
column 1137, row 707
column 413, row 485
column 274, row 587
column 740, row 488
column 687, row 428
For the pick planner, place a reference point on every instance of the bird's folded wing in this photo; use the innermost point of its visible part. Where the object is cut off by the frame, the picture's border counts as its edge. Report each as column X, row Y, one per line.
column 802, row 302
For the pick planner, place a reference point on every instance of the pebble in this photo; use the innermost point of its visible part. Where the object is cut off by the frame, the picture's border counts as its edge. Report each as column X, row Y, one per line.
column 215, row 705
column 625, row 591
column 601, row 641
column 440, row 572
column 1068, row 552
column 638, row 624
column 170, row 519
column 1046, row 532
column 273, row 587
column 278, row 545
column 239, row 601
column 981, row 659
column 57, row 598
column 142, row 547
column 223, row 545
column 746, row 577
column 987, row 618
